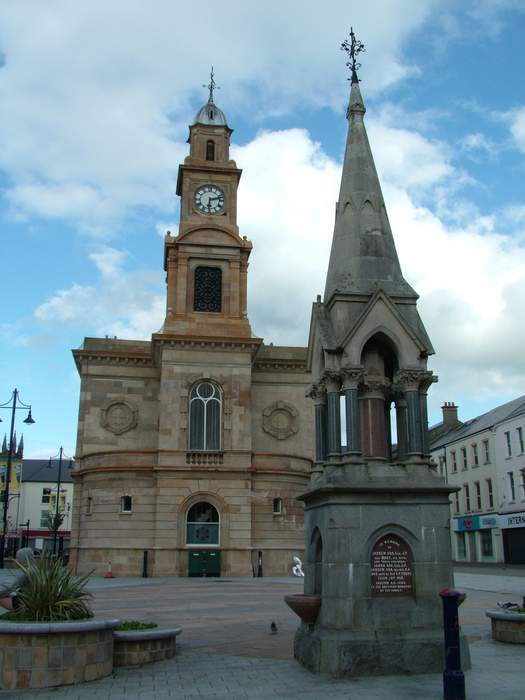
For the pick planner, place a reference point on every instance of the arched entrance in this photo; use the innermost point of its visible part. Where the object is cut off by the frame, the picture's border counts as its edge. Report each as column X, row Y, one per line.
column 203, row 540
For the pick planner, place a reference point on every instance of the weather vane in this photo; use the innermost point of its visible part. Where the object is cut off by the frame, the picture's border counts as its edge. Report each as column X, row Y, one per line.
column 212, row 85
column 353, row 48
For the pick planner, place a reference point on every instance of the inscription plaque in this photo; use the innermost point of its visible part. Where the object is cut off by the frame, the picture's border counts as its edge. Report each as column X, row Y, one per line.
column 391, row 567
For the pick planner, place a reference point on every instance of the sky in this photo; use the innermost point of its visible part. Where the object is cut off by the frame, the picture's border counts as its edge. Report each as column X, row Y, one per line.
column 95, row 103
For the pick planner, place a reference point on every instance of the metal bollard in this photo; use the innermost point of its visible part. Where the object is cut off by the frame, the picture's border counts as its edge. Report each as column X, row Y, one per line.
column 259, row 565
column 453, row 677
column 145, row 564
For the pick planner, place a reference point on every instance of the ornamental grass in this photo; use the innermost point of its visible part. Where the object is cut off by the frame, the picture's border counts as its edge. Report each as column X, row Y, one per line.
column 50, row 593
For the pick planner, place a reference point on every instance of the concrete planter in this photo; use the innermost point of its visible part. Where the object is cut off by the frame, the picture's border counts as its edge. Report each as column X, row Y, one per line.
column 45, row 654
column 507, row 626
column 138, row 647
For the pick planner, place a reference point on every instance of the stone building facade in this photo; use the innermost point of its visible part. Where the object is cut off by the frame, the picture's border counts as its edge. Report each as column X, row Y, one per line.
column 193, row 446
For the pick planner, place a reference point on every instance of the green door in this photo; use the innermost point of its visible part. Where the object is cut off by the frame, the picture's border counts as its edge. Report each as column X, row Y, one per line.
column 204, row 562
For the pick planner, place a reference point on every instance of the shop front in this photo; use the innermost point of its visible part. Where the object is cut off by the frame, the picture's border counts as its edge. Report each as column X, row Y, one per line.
column 513, row 528
column 474, row 538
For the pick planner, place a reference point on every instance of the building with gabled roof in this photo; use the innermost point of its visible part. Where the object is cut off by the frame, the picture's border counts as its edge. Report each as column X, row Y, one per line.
column 485, row 457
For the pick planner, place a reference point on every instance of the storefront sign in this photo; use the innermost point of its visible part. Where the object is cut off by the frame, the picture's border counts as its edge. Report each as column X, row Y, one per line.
column 512, row 520
column 467, row 523
column 391, row 567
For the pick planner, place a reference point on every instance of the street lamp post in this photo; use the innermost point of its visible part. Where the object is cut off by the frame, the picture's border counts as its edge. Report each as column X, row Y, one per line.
column 57, row 502
column 11, row 405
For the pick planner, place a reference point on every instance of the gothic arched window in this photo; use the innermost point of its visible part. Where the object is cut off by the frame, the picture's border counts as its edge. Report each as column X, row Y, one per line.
column 205, row 417
column 210, row 150
column 202, row 524
column 207, row 293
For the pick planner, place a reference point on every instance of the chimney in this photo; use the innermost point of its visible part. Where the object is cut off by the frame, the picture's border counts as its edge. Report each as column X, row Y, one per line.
column 450, row 413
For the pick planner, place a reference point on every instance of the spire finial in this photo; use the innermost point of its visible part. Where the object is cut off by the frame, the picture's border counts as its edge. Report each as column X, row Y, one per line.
column 353, row 48
column 211, row 86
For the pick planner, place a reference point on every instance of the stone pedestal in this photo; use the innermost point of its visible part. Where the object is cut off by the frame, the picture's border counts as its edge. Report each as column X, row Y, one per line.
column 380, row 534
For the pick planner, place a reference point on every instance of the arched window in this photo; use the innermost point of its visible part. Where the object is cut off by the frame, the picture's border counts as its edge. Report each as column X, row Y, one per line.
column 205, row 417
column 210, row 150
column 207, row 293
column 202, row 524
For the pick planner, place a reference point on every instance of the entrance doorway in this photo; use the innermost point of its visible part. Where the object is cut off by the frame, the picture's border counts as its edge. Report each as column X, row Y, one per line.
column 203, row 529
column 204, row 562
column 514, row 545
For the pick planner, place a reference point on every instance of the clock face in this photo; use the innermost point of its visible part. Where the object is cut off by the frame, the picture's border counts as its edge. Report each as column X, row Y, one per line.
column 209, row 199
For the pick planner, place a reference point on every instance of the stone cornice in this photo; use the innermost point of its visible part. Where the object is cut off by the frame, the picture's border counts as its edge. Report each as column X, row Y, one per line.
column 279, row 365
column 113, row 357
column 192, row 342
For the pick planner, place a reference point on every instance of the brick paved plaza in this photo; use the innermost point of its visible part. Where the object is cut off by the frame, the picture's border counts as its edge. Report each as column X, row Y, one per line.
column 226, row 649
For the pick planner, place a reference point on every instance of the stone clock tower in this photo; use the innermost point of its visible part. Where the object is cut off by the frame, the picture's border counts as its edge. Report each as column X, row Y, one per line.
column 193, row 446
column 207, row 264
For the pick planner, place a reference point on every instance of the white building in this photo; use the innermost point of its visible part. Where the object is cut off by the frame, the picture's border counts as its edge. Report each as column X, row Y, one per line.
column 484, row 457
column 38, row 502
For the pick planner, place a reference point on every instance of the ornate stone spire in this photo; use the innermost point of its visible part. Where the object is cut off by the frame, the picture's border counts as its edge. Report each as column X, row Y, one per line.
column 363, row 254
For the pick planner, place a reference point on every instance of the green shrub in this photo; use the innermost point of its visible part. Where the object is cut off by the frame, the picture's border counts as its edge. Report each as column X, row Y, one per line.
column 50, row 592
column 135, row 626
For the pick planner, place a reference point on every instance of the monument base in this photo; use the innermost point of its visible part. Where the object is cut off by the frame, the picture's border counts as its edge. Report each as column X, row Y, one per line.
column 342, row 654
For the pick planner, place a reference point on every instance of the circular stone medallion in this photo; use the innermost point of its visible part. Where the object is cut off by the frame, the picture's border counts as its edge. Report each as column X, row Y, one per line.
column 118, row 417
column 281, row 420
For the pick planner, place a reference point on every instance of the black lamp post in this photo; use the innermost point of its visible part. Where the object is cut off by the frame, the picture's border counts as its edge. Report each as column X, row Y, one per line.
column 59, row 481
column 14, row 404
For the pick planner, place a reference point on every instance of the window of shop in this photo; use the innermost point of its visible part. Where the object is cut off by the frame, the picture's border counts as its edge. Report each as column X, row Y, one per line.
column 89, row 505
column 46, row 496
column 520, row 439
column 461, row 545
column 454, row 461
column 44, row 518
column 486, row 543
column 490, row 493
column 464, row 458
column 477, row 488
column 467, row 497
column 486, row 452
column 475, row 458
column 508, row 443
column 512, row 490
column 277, row 506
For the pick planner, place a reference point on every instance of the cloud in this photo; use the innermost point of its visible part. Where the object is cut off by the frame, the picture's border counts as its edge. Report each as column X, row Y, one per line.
column 122, row 303
column 96, row 96
column 476, row 143
column 517, row 127
column 471, row 276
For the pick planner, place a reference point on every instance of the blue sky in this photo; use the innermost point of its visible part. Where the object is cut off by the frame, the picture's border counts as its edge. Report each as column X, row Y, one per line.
column 96, row 98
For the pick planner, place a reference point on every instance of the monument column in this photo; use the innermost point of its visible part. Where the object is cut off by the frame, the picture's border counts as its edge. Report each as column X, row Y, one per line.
column 415, row 384
column 351, row 378
column 332, row 380
column 401, row 421
column 374, row 432
column 317, row 392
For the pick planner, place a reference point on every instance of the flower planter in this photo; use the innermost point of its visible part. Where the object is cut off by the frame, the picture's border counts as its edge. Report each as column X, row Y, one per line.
column 45, row 654
column 507, row 626
column 305, row 605
column 133, row 648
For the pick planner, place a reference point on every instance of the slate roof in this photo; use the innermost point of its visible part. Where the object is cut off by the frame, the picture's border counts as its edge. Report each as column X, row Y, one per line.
column 38, row 470
column 508, row 410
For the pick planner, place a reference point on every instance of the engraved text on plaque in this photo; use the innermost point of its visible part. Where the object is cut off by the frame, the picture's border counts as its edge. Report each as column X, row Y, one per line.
column 391, row 567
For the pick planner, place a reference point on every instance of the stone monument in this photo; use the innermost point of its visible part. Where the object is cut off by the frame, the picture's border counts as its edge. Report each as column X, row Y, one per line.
column 376, row 513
